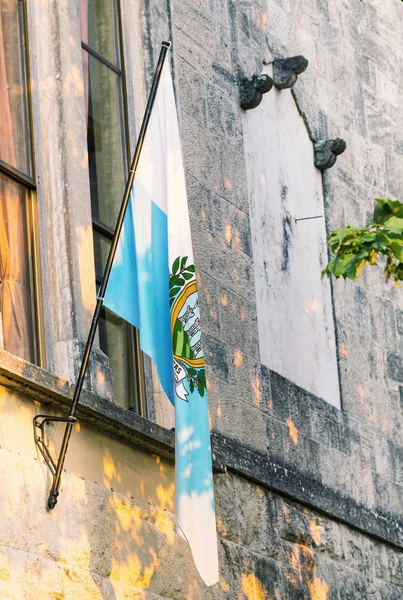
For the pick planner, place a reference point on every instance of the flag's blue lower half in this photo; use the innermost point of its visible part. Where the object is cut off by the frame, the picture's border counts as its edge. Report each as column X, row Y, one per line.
column 194, row 482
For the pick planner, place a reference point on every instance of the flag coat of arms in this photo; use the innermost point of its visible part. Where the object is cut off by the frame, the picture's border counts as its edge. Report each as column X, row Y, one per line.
column 153, row 286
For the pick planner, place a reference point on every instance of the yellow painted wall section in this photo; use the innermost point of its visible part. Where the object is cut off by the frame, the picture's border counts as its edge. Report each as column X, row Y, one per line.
column 112, row 534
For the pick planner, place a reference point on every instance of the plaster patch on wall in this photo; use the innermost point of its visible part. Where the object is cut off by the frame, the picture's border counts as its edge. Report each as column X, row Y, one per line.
column 295, row 318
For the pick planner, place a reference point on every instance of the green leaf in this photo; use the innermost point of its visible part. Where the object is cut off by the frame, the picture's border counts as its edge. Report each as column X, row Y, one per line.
column 382, row 211
column 368, row 237
column 180, row 281
column 190, row 268
column 191, row 386
column 381, row 239
column 175, row 266
column 187, row 276
column 340, row 234
column 174, row 291
column 173, row 281
column 340, row 265
column 397, row 249
column 395, row 224
column 354, row 268
column 183, row 262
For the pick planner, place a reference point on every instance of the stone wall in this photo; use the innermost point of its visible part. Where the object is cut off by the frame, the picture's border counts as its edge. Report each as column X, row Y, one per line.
column 348, row 82
column 351, row 89
column 308, row 496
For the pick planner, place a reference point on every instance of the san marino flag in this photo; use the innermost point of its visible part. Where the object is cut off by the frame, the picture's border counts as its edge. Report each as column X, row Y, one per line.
column 153, row 286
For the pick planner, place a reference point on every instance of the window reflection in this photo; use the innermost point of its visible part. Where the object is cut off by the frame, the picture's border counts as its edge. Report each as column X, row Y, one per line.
column 14, row 124
column 105, row 137
column 16, row 306
column 99, row 28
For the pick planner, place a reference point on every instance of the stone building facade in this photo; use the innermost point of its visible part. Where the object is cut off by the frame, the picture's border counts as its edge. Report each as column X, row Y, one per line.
column 305, row 377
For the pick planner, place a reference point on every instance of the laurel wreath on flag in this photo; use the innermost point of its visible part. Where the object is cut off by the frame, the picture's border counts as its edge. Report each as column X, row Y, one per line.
column 181, row 274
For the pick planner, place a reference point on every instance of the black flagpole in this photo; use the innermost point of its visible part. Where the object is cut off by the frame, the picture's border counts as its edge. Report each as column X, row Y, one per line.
column 41, row 420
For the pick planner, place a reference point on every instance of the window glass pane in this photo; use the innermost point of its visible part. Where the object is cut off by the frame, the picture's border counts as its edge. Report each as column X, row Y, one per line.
column 14, row 124
column 16, row 302
column 101, row 252
column 116, row 339
column 106, row 139
column 99, row 28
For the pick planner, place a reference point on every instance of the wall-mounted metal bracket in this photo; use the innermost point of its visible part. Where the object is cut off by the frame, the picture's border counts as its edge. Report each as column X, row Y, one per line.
column 252, row 90
column 286, row 71
column 40, row 422
column 327, row 151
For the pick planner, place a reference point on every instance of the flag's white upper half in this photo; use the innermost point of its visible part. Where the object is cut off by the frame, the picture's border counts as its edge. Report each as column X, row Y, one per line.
column 153, row 286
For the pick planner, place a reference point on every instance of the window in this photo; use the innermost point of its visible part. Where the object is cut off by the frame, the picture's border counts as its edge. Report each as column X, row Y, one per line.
column 108, row 171
column 19, row 315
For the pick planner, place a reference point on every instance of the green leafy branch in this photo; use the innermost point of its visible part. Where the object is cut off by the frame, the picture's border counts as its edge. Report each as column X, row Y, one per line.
column 354, row 247
column 179, row 275
column 197, row 379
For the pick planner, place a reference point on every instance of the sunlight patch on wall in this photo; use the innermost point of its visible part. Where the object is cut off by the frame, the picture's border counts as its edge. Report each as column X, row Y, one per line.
column 252, row 587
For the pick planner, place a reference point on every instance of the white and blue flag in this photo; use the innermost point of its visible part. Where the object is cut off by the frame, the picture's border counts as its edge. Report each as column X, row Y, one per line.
column 153, row 286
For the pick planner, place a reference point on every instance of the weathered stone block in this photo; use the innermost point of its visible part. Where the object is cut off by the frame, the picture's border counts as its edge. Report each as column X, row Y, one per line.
column 202, row 157
column 232, row 224
column 244, row 520
column 239, row 323
column 253, row 380
column 351, row 584
column 200, row 202
column 209, row 294
column 193, row 53
column 395, row 366
column 193, row 92
column 236, row 564
column 222, row 47
column 218, row 357
column 234, row 177
column 196, row 22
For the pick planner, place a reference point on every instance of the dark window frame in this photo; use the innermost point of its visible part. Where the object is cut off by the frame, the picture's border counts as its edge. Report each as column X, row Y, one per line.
column 106, row 231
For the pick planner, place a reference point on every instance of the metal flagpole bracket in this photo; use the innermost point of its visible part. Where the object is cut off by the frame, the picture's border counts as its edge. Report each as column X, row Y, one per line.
column 40, row 421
